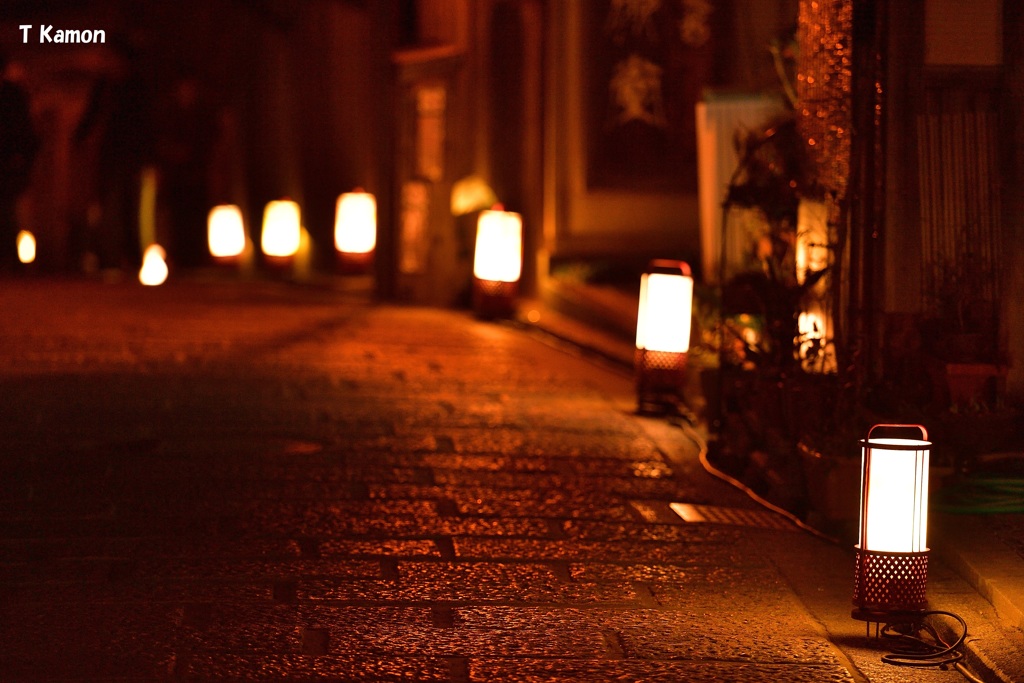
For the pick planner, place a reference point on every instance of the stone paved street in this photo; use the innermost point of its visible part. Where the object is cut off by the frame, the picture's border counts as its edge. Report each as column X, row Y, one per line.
column 261, row 481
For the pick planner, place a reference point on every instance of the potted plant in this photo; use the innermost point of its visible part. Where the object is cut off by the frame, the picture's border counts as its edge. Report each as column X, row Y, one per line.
column 961, row 336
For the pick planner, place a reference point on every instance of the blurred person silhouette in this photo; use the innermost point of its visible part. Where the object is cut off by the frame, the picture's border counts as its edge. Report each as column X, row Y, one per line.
column 186, row 134
column 19, row 144
column 117, row 120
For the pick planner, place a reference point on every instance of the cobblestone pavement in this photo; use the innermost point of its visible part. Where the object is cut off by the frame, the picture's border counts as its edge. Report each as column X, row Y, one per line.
column 269, row 482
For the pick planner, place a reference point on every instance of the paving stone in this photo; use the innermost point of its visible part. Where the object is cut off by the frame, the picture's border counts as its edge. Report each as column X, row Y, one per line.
column 401, row 526
column 226, row 568
column 262, row 629
column 72, row 640
column 579, row 551
column 550, row 671
column 745, row 598
column 388, row 547
column 554, row 444
column 686, row 574
column 143, row 589
column 404, row 631
column 629, row 487
column 350, row 666
column 483, row 583
column 475, row 500
column 590, row 530
column 473, row 462
column 724, row 634
column 247, row 546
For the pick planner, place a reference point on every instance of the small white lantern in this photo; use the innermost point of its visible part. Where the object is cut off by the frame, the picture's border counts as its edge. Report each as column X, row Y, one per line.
column 892, row 555
column 355, row 223
column 282, row 230
column 663, row 332
column 355, row 230
column 154, row 266
column 226, row 233
column 26, row 243
column 497, row 261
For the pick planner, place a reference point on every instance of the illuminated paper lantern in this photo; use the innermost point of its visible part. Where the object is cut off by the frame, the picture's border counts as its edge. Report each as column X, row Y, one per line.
column 226, row 233
column 355, row 230
column 26, row 243
column 355, row 223
column 499, row 246
column 497, row 261
column 664, row 313
column 892, row 555
column 154, row 266
column 282, row 229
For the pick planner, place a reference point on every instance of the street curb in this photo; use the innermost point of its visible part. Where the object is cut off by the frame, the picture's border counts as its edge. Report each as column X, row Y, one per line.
column 611, row 348
column 993, row 570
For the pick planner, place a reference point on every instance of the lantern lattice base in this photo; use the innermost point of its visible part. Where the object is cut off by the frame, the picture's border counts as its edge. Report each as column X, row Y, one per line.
column 660, row 377
column 494, row 298
column 888, row 583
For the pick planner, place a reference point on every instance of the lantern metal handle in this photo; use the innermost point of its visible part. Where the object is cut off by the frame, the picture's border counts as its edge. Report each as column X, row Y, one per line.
column 669, row 267
column 924, row 432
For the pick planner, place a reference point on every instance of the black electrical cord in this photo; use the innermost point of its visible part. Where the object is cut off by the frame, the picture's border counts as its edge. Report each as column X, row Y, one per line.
column 917, row 651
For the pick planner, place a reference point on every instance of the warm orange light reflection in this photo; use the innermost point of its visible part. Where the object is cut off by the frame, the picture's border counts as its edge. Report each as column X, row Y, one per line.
column 226, row 231
column 355, row 223
column 812, row 246
column 663, row 316
column 282, row 231
column 499, row 246
column 470, row 194
column 154, row 266
column 26, row 247
column 811, row 327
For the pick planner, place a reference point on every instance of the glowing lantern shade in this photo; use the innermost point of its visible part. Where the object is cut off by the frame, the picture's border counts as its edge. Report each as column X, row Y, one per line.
column 663, row 332
column 892, row 556
column 26, row 247
column 497, row 261
column 154, row 266
column 355, row 231
column 282, row 229
column 499, row 246
column 226, row 232
column 355, row 223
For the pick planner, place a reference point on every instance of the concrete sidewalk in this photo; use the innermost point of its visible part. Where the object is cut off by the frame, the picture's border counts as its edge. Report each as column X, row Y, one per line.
column 271, row 482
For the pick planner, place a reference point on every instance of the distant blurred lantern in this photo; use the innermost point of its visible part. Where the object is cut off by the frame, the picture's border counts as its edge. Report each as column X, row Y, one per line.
column 811, row 328
column 26, row 247
column 892, row 556
column 814, row 346
column 282, row 231
column 497, row 261
column 663, row 333
column 355, row 229
column 154, row 266
column 226, row 233
column 471, row 194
